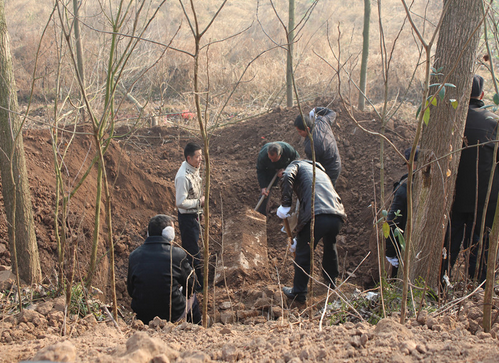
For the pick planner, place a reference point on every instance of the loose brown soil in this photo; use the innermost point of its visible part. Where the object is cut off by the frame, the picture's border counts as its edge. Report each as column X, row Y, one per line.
column 250, row 320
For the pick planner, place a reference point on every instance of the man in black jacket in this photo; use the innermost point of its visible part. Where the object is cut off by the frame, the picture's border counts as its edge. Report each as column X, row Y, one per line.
column 397, row 217
column 319, row 123
column 472, row 184
column 160, row 277
column 273, row 158
column 329, row 217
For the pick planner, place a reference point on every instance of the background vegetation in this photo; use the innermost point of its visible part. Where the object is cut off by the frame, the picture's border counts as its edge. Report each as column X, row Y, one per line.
column 333, row 31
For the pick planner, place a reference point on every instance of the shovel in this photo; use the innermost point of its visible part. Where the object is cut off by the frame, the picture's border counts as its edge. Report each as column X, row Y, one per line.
column 290, row 235
column 263, row 195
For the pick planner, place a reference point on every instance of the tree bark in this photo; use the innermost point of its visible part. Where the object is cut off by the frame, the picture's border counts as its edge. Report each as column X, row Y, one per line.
column 16, row 191
column 365, row 54
column 435, row 182
column 289, row 63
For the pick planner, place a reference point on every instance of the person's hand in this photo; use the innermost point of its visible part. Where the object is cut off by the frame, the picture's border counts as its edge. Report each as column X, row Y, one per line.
column 283, row 212
column 279, row 173
column 201, row 201
column 292, row 247
column 394, row 261
column 265, row 192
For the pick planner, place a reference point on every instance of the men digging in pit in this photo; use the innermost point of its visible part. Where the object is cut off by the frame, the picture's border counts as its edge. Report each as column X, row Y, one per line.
column 475, row 167
column 329, row 217
column 319, row 123
column 190, row 202
column 160, row 278
column 273, row 158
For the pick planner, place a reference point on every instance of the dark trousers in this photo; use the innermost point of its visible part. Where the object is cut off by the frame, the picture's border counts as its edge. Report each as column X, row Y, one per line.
column 327, row 227
column 462, row 230
column 189, row 233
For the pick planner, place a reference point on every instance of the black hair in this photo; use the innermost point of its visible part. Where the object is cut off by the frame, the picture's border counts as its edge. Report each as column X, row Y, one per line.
column 274, row 148
column 158, row 223
column 477, row 86
column 299, row 123
column 190, row 149
column 407, row 153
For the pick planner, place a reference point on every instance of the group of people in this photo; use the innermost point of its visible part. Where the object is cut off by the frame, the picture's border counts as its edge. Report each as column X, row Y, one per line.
column 163, row 279
column 296, row 175
column 471, row 205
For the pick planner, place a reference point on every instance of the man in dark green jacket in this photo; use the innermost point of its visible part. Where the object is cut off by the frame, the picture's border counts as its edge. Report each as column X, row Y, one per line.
column 273, row 158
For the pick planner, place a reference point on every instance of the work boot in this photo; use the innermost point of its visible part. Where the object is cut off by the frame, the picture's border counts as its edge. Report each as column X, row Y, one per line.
column 300, row 297
column 330, row 283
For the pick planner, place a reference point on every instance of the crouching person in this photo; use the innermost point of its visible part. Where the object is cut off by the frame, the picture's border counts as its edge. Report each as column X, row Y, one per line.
column 161, row 280
column 329, row 217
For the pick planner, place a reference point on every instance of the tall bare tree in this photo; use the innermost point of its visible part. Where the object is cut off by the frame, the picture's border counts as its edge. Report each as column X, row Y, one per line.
column 434, row 184
column 15, row 186
column 365, row 54
column 289, row 65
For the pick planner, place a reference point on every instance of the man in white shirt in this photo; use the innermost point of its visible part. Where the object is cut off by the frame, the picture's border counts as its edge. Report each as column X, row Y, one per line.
column 190, row 202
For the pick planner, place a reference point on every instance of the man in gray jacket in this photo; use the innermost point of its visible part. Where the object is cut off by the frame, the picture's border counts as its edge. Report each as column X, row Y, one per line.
column 329, row 217
column 319, row 123
column 190, row 202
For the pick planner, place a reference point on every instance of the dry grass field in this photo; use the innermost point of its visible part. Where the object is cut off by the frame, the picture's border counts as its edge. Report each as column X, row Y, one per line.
column 245, row 46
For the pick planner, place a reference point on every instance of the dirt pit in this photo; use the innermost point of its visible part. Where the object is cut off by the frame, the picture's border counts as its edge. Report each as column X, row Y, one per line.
column 249, row 318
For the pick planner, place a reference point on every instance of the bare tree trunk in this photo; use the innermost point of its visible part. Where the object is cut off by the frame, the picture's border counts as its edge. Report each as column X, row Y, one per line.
column 15, row 190
column 434, row 184
column 289, row 68
column 365, row 54
column 79, row 52
column 491, row 270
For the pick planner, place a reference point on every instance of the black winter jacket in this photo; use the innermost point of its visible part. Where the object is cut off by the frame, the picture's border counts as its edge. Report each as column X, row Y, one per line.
column 481, row 126
column 298, row 178
column 152, row 279
column 326, row 149
column 266, row 169
column 399, row 203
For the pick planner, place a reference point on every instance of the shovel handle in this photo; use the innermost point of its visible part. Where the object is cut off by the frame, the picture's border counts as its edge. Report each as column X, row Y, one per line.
column 263, row 195
column 288, row 228
column 289, row 233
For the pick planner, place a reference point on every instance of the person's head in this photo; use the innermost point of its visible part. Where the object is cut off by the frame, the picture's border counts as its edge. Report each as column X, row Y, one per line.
column 407, row 154
column 274, row 151
column 477, row 87
column 161, row 225
column 193, row 154
column 300, row 126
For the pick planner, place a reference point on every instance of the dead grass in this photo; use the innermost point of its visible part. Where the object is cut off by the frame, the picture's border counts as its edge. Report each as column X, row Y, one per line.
column 333, row 30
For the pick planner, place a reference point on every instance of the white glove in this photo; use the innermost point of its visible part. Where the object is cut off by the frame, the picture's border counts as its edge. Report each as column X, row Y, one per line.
column 312, row 114
column 283, row 212
column 292, row 248
column 394, row 261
